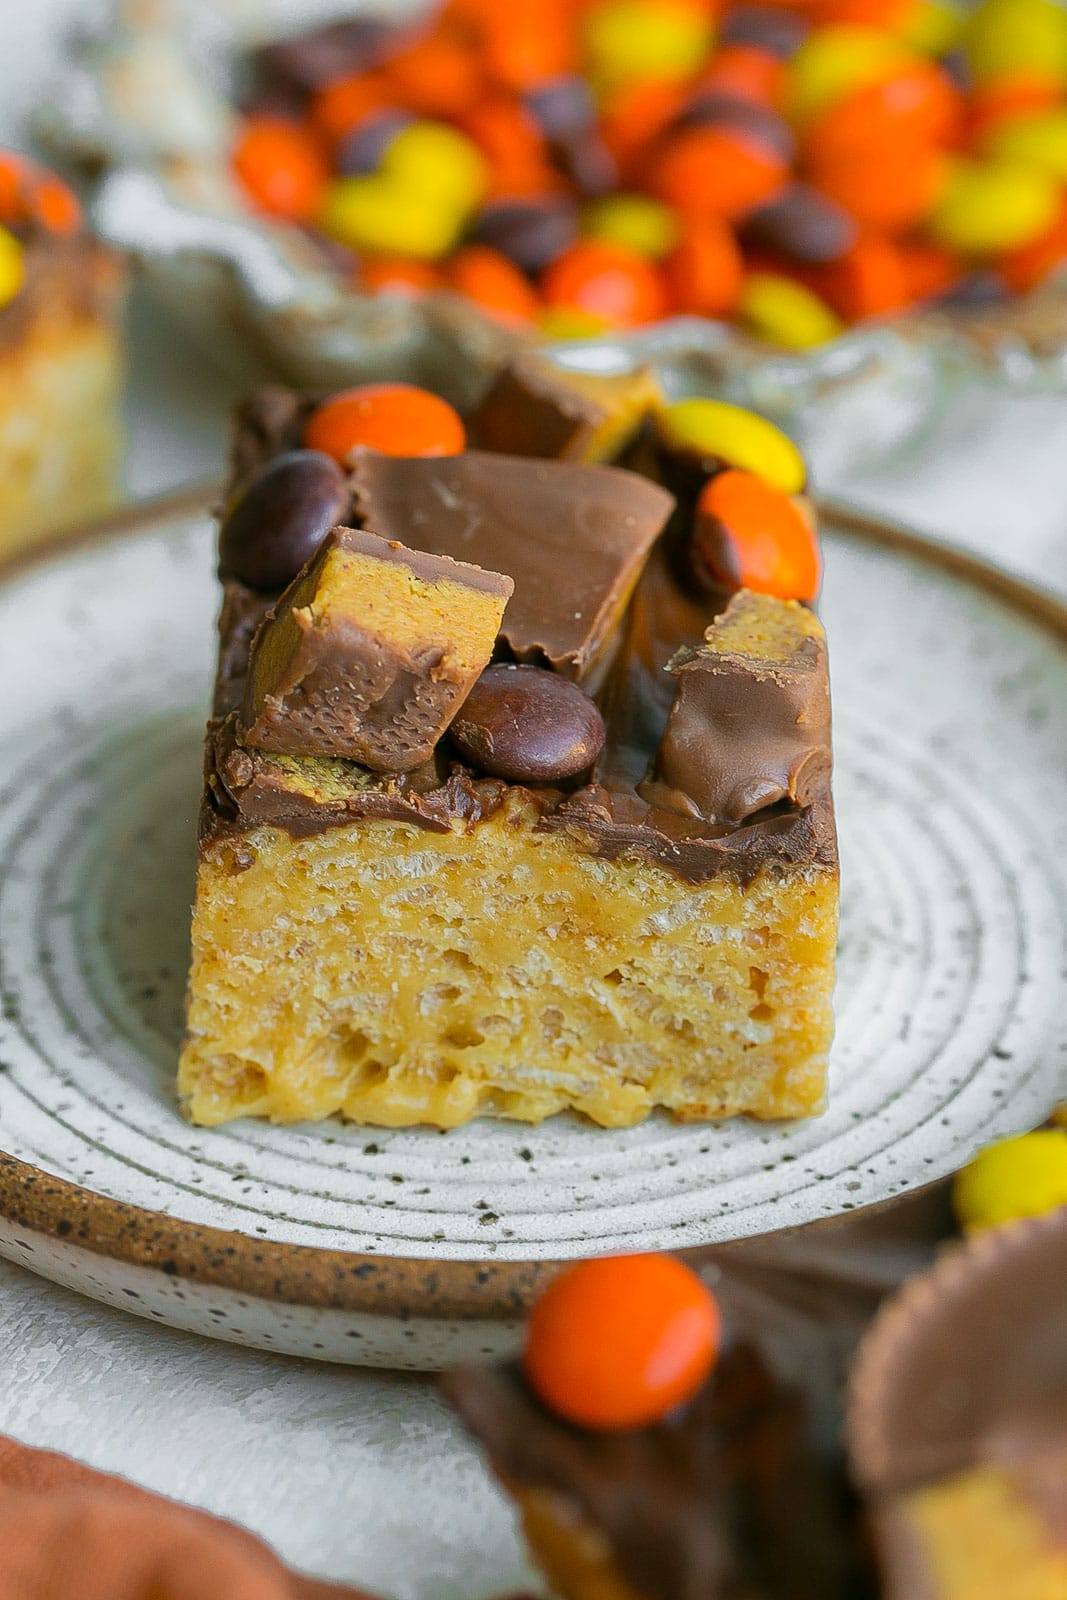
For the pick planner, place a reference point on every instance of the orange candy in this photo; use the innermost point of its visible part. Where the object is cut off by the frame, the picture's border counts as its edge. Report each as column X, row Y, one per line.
column 1028, row 266
column 636, row 114
column 920, row 105
column 346, row 102
column 870, row 280
column 714, row 171
column 13, row 173
column 27, row 190
column 893, row 186
column 435, row 77
column 1020, row 95
column 527, row 42
column 396, row 418
column 282, row 167
column 892, row 15
column 57, row 206
column 513, row 146
column 619, row 1341
column 607, row 281
column 705, row 271
column 748, row 71
column 930, row 269
column 750, row 535
column 398, row 275
column 494, row 283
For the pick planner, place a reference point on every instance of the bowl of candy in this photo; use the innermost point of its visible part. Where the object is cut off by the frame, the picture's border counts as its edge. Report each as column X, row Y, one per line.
column 811, row 202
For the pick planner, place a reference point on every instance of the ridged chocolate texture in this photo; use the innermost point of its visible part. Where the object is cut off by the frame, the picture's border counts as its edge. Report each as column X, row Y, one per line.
column 369, row 654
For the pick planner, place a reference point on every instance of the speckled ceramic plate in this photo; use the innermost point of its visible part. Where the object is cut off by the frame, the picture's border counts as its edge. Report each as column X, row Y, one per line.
column 950, row 689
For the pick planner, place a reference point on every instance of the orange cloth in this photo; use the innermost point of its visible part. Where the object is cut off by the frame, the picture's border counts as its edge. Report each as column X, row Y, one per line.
column 69, row 1533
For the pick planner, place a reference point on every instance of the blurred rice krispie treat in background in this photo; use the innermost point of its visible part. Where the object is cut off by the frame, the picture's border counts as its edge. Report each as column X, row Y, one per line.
column 60, row 359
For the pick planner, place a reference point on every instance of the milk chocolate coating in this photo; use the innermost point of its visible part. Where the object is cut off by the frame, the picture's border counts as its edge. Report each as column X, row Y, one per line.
column 802, row 225
column 573, row 538
column 528, row 726
column 329, row 681
column 727, row 1501
column 745, row 732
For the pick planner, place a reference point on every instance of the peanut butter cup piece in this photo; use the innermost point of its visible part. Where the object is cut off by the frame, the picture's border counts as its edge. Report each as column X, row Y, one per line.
column 535, row 407
column 749, row 725
column 573, row 538
column 370, row 652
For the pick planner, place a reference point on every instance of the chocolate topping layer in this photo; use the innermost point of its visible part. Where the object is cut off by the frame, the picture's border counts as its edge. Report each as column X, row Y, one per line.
column 607, row 815
column 574, row 538
column 726, row 1501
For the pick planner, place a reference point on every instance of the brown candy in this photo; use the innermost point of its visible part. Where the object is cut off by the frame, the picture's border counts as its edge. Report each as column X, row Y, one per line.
column 769, row 28
column 528, row 725
column 756, row 123
column 749, row 725
column 802, row 225
column 370, row 652
column 531, row 233
column 275, row 524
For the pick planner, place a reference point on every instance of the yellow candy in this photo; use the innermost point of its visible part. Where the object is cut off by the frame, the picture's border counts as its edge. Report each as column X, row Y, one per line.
column 12, row 266
column 1038, row 141
column 998, row 205
column 737, row 436
column 377, row 214
column 568, row 322
column 1022, row 1177
column 645, row 225
column 785, row 313
column 834, row 60
column 1016, row 36
column 627, row 39
column 432, row 159
column 933, row 27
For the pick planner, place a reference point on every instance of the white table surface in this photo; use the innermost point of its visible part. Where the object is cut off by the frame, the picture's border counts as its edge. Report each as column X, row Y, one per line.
column 355, row 1475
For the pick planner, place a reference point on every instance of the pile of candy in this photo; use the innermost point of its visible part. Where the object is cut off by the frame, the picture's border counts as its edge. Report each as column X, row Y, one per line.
column 585, row 165
column 32, row 201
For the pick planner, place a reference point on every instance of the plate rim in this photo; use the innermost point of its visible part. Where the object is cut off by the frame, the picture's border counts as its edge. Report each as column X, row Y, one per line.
column 351, row 1282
